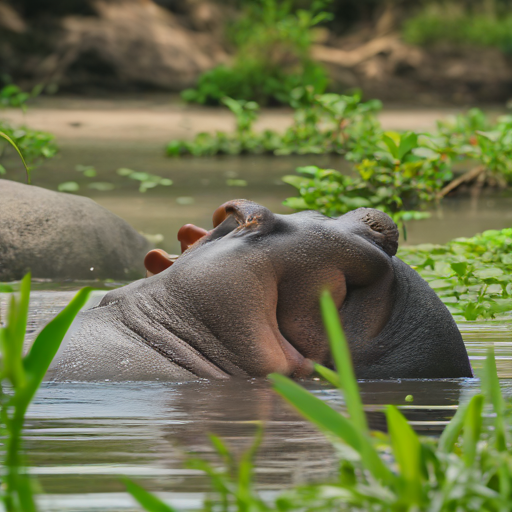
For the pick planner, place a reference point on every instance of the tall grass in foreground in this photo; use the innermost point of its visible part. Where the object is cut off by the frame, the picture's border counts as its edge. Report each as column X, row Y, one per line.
column 20, row 378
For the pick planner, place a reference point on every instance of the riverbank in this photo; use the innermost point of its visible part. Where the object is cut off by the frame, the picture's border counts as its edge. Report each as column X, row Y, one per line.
column 161, row 118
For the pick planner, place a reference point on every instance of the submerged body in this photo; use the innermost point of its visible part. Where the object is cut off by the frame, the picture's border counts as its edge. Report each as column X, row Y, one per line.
column 243, row 301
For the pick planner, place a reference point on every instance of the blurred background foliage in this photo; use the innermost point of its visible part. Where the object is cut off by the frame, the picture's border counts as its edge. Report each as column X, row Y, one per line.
column 430, row 51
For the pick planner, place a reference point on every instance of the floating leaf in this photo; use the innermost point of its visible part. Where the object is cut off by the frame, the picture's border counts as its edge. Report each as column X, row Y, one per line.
column 68, row 186
column 102, row 186
column 488, row 273
column 236, row 183
column 438, row 284
column 185, row 200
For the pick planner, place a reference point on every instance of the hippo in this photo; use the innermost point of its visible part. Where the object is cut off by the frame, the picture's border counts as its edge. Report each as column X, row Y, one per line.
column 242, row 300
column 63, row 236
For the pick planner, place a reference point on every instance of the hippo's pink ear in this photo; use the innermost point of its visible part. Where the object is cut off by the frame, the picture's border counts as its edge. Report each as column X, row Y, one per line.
column 157, row 261
column 189, row 234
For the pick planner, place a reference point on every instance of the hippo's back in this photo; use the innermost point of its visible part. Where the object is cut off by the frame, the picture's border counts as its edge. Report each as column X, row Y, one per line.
column 64, row 236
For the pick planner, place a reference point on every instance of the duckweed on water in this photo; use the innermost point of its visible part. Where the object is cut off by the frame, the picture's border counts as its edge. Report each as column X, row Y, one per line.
column 472, row 276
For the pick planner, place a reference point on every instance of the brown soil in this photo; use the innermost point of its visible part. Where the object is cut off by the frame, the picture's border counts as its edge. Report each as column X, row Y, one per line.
column 156, row 119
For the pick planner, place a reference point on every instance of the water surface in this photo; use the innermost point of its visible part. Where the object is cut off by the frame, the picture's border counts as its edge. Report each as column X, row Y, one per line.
column 81, row 437
column 201, row 185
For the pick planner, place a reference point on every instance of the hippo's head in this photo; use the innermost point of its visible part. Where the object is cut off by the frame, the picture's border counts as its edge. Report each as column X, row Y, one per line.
column 246, row 293
column 243, row 300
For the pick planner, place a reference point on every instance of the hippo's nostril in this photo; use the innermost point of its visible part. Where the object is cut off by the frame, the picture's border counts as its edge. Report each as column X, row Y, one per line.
column 219, row 216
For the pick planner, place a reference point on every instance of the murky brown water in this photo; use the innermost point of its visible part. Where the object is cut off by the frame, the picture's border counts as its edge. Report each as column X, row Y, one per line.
column 82, row 437
column 200, row 186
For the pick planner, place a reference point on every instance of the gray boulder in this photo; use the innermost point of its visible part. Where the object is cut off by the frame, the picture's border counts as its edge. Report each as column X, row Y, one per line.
column 63, row 236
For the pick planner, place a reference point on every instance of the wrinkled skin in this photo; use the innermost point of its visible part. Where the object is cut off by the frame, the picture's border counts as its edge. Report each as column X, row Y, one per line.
column 243, row 300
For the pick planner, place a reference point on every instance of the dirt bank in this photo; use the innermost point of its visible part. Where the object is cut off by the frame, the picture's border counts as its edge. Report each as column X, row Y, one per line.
column 159, row 120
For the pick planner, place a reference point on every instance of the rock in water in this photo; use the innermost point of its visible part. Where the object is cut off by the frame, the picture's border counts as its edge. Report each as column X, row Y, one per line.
column 63, row 236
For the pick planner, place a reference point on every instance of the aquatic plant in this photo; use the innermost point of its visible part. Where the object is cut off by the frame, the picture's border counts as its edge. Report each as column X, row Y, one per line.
column 36, row 146
column 20, row 377
column 272, row 41
column 402, row 171
column 468, row 468
column 13, row 144
column 322, row 123
column 472, row 276
column 399, row 177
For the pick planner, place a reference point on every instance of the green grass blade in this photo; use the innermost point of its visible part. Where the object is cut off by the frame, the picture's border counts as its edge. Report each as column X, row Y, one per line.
column 25, row 494
column 221, row 449
column 328, row 420
column 343, row 361
column 13, row 335
column 328, row 375
column 472, row 429
column 245, row 496
column 453, row 429
column 145, row 499
column 492, row 391
column 47, row 344
column 316, row 411
column 407, row 452
column 13, row 144
column 22, row 316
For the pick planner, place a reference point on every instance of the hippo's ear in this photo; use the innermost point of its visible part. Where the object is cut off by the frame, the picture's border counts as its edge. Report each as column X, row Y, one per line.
column 383, row 231
column 246, row 213
column 157, row 260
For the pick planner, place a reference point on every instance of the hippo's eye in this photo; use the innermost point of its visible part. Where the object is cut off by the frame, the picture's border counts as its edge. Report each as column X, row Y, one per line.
column 227, row 226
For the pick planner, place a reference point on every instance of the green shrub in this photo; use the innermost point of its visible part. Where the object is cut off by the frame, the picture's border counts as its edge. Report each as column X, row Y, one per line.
column 400, row 176
column 322, row 123
column 453, row 23
column 35, row 146
column 272, row 41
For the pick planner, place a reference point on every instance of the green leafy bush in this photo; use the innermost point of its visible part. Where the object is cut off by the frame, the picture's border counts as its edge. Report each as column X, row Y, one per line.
column 35, row 146
column 272, row 41
column 401, row 176
column 472, row 276
column 322, row 123
column 12, row 96
column 453, row 23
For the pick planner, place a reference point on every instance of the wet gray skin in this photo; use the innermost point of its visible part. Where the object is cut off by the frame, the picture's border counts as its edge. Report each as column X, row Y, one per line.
column 244, row 301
